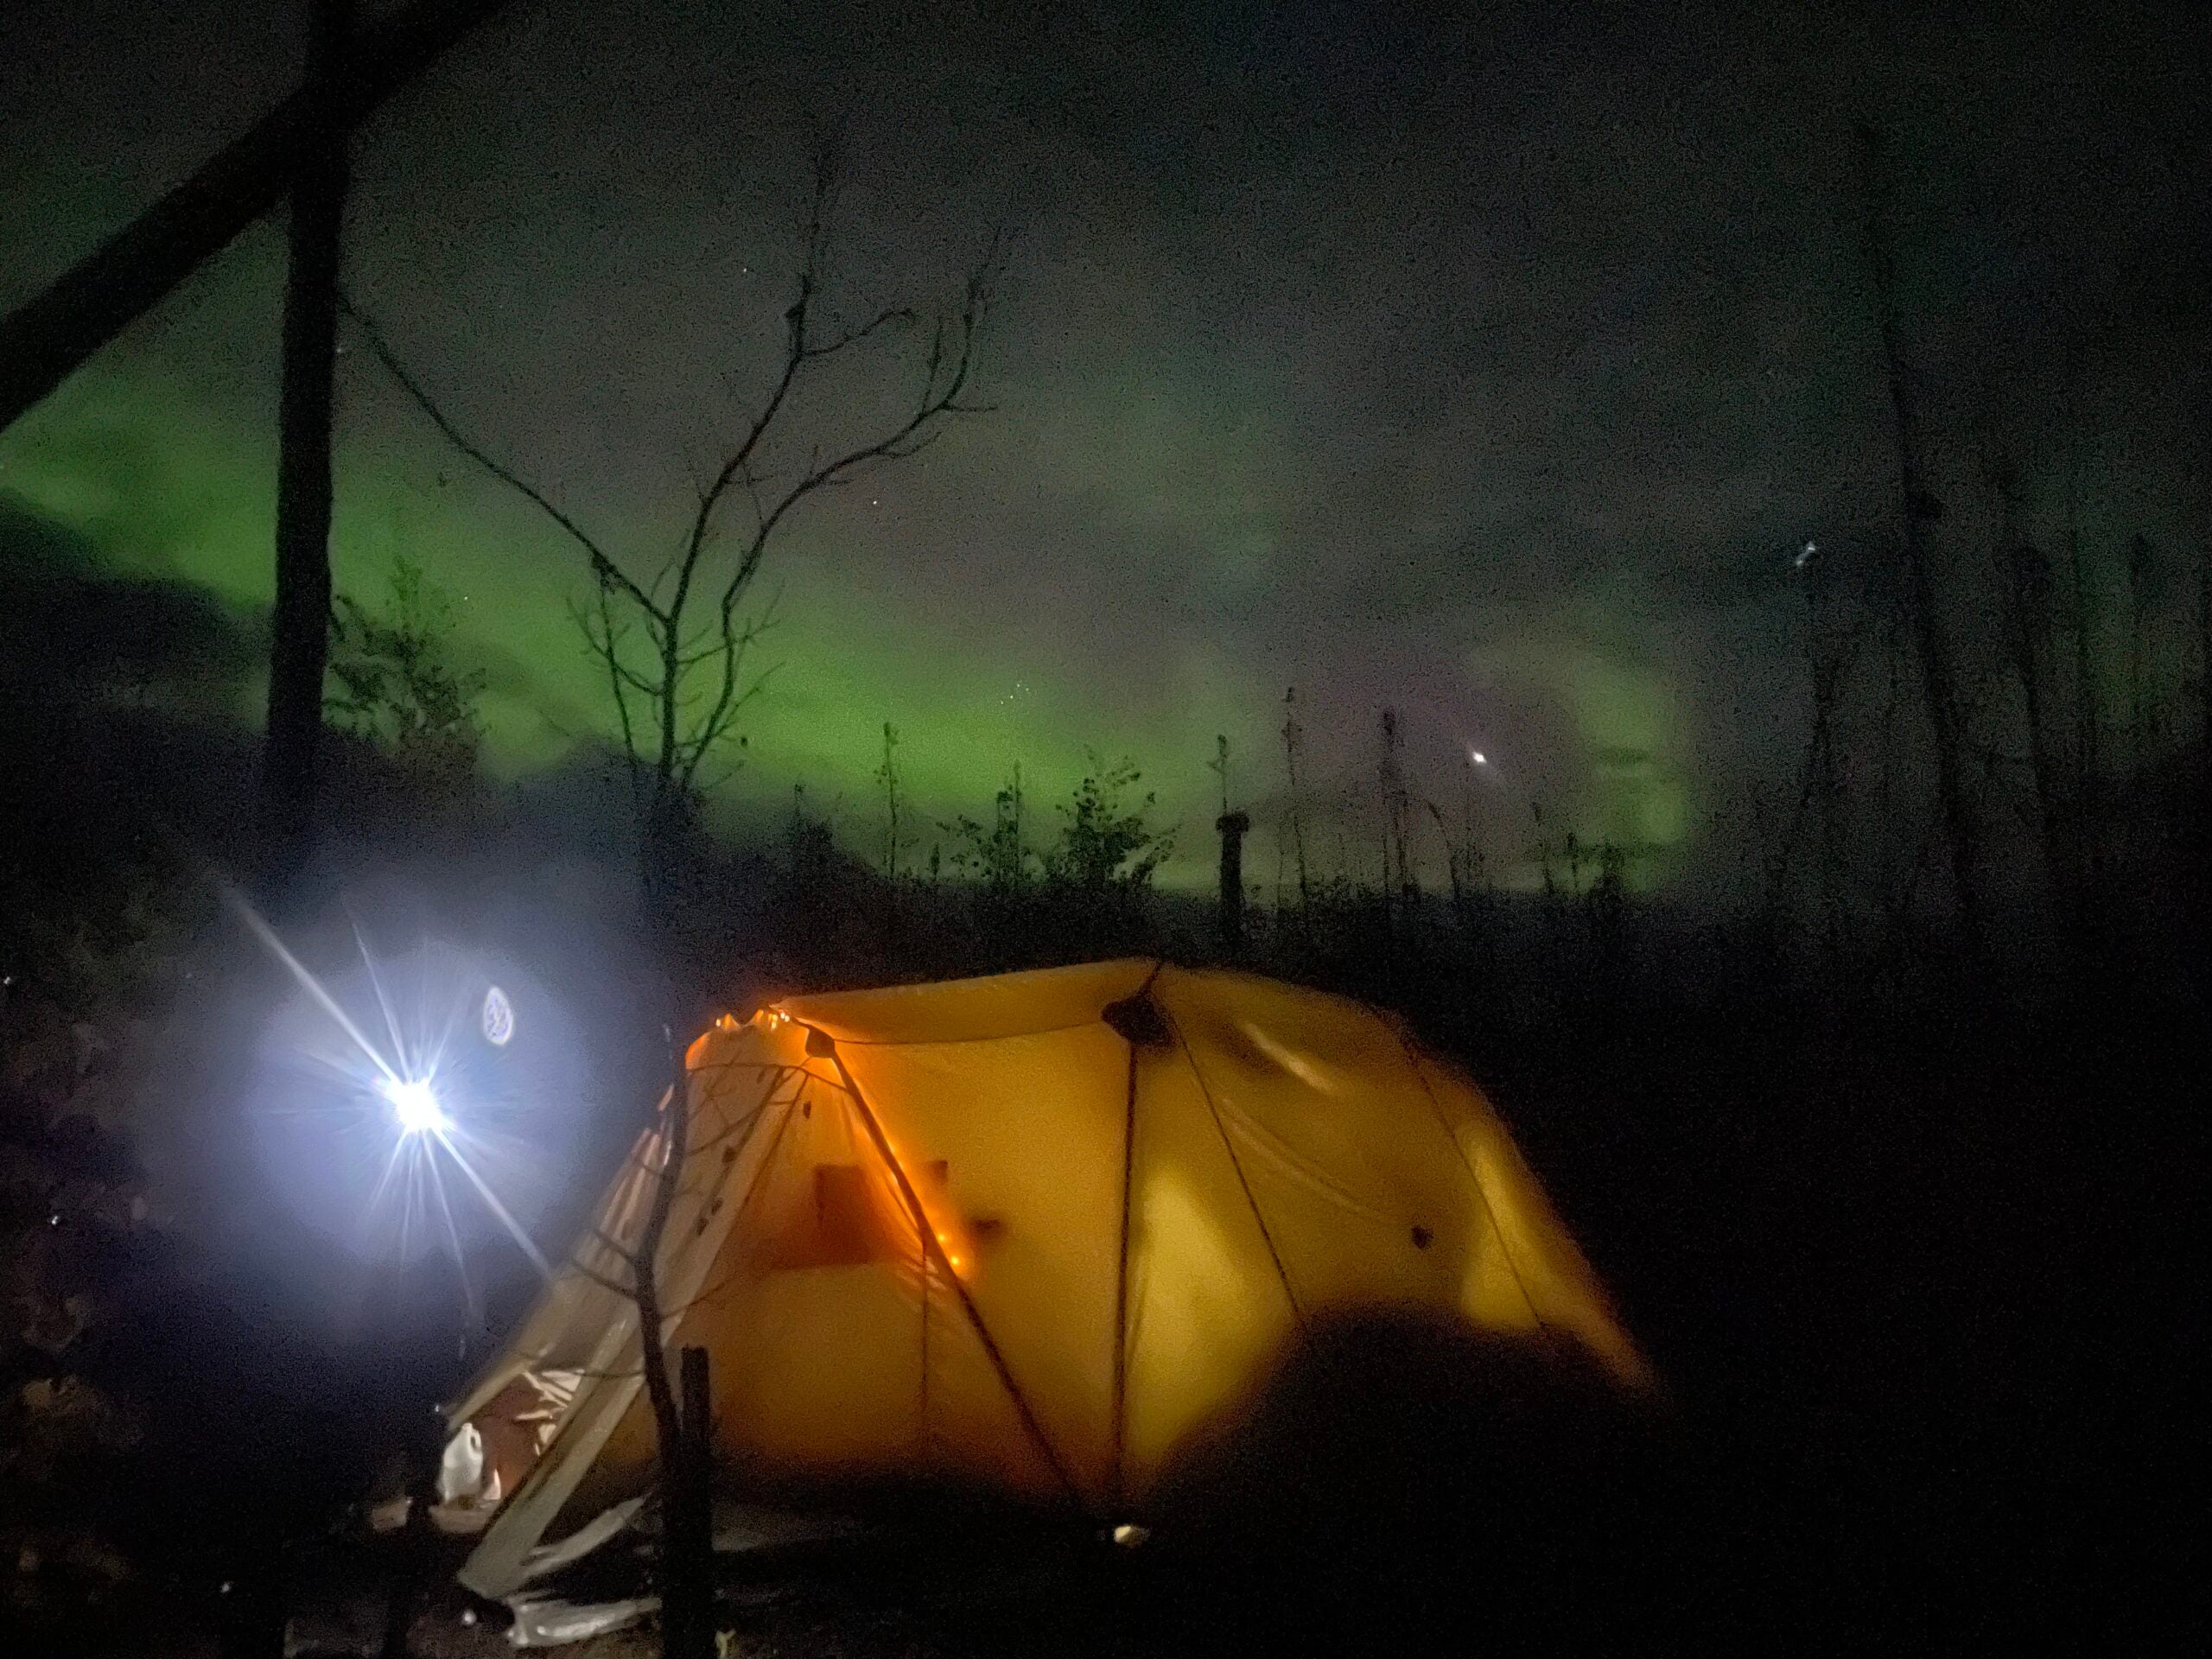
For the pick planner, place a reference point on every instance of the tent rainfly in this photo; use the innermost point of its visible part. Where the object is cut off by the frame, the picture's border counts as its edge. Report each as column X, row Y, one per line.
column 1042, row 1231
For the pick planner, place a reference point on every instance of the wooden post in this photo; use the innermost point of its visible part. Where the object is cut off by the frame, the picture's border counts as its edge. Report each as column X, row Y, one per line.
column 687, row 1537
column 300, row 625
column 412, row 1550
column 1232, row 826
column 45, row 340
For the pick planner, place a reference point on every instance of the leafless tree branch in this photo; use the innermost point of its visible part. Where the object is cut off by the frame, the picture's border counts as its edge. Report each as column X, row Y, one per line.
column 599, row 1279
column 677, row 649
column 602, row 567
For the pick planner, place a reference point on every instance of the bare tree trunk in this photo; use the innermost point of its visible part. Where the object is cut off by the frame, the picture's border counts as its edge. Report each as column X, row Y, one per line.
column 1397, row 866
column 2204, row 642
column 1293, row 748
column 48, row 338
column 2049, row 800
column 1938, row 674
column 2024, row 587
column 1828, row 651
column 2200, row 864
column 299, row 648
column 2141, row 577
column 2088, row 714
column 894, row 802
column 1829, row 784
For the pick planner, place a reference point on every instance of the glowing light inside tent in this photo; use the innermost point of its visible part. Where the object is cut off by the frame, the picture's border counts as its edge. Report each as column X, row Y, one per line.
column 416, row 1105
column 498, row 1018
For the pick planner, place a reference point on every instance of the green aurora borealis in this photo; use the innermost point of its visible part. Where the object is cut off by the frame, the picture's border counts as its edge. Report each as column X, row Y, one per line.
column 162, row 455
column 1503, row 408
column 165, row 483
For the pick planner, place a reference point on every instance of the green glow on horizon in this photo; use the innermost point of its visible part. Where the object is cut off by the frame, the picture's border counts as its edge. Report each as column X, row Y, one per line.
column 1627, row 716
column 160, row 484
column 164, row 481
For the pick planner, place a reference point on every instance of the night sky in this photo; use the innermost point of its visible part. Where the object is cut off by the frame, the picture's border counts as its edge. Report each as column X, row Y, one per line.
column 1492, row 369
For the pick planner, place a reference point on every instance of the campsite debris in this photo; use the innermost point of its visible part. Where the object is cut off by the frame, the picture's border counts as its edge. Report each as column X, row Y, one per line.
column 549, row 1621
column 552, row 1558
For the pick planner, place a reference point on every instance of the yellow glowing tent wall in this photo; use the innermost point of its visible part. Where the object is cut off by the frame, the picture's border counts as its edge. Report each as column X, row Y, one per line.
column 1038, row 1230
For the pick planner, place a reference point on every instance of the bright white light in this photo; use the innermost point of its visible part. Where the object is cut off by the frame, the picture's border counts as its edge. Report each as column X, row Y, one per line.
column 414, row 1103
column 1804, row 556
column 1477, row 757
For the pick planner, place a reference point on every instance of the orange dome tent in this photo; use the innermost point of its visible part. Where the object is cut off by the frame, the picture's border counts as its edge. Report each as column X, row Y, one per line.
column 1041, row 1231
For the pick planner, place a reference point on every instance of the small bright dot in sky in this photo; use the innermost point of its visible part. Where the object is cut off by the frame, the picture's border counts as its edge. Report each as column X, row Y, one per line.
column 1803, row 554
column 1477, row 757
column 414, row 1103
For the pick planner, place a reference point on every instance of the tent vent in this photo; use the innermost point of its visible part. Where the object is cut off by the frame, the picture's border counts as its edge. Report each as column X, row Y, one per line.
column 818, row 1044
column 1136, row 1020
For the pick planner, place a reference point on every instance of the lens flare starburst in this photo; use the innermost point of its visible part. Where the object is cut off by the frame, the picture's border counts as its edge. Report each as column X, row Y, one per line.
column 366, row 1134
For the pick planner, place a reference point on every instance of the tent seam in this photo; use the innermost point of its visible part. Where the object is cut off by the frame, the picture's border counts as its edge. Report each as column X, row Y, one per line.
column 948, row 1042
column 1251, row 1199
column 1489, row 1213
column 1121, row 1280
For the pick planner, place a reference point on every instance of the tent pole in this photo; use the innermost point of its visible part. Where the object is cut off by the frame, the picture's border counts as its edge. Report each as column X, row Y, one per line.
column 1444, row 1123
column 1122, row 1282
column 1236, row 1166
column 929, row 1295
column 1137, row 1021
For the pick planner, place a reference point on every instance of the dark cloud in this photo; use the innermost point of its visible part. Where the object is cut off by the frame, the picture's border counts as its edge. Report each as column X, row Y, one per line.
column 71, row 628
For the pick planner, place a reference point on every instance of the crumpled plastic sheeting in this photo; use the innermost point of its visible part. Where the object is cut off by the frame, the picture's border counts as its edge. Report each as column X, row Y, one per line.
column 550, row 1558
column 552, row 1623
